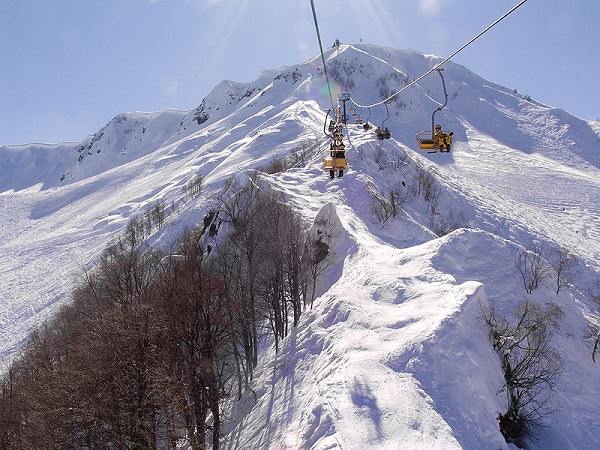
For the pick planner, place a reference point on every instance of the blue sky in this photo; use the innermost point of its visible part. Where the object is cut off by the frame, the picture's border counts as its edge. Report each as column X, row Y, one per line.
column 68, row 66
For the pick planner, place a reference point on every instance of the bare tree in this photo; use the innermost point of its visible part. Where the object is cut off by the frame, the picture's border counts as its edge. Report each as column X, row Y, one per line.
column 594, row 295
column 276, row 165
column 379, row 155
column 387, row 203
column 196, row 302
column 278, row 284
column 530, row 365
column 398, row 159
column 532, row 266
column 233, row 267
column 157, row 213
column 317, row 257
column 236, row 200
column 443, row 224
column 596, row 345
column 427, row 185
column 195, row 185
column 300, row 156
column 240, row 261
column 563, row 263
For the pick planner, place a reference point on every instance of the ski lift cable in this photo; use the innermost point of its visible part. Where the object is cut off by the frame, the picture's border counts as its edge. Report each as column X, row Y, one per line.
column 312, row 4
column 437, row 66
column 424, row 92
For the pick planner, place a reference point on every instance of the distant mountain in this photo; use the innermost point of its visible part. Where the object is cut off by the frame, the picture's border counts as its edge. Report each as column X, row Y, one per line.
column 394, row 353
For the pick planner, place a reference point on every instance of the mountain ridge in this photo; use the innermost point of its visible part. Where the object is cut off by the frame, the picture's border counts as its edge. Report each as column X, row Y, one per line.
column 228, row 94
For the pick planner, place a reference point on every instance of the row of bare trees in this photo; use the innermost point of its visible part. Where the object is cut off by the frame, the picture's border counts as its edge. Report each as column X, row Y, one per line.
column 389, row 199
column 536, row 264
column 153, row 344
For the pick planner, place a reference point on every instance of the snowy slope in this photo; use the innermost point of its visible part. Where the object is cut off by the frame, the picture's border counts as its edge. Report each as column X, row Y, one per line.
column 394, row 353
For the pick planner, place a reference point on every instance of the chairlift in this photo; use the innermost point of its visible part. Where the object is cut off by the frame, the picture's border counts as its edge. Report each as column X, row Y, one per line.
column 436, row 139
column 334, row 158
column 359, row 121
column 367, row 125
column 384, row 132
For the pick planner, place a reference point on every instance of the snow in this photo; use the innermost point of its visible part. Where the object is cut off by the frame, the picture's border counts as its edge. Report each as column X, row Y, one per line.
column 394, row 353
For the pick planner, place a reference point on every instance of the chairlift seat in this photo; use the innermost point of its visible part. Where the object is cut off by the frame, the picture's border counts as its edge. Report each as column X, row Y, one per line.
column 426, row 142
column 334, row 162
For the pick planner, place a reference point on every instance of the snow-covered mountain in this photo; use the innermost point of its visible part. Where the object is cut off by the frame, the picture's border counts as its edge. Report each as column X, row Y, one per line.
column 394, row 353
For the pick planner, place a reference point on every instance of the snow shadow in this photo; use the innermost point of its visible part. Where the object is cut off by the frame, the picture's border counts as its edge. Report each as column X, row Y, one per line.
column 364, row 399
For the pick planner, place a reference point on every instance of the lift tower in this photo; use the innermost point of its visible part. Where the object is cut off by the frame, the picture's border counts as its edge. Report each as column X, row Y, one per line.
column 344, row 98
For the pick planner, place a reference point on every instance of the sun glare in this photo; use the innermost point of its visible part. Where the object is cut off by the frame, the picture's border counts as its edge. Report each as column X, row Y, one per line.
column 374, row 23
column 431, row 7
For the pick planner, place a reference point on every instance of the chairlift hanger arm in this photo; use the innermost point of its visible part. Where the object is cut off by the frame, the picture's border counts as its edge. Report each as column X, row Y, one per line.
column 387, row 110
column 325, row 124
column 439, row 70
column 439, row 108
